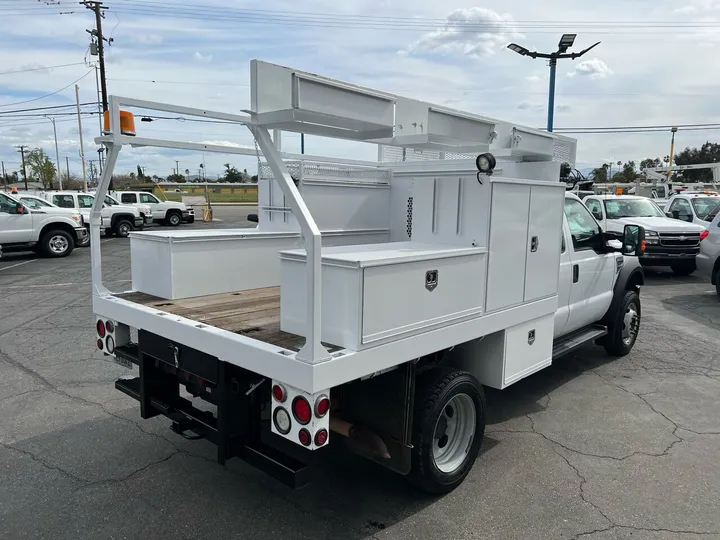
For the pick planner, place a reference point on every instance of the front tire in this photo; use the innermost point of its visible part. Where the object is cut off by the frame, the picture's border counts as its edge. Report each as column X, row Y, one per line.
column 448, row 428
column 57, row 243
column 174, row 219
column 624, row 329
column 684, row 268
column 123, row 228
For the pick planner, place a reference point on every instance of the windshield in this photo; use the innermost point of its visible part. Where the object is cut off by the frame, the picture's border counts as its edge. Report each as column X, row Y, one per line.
column 624, row 208
column 704, row 206
column 35, row 203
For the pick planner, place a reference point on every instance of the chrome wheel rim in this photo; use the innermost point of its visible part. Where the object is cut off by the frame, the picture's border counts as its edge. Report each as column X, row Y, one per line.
column 58, row 244
column 454, row 433
column 631, row 325
column 124, row 229
column 174, row 219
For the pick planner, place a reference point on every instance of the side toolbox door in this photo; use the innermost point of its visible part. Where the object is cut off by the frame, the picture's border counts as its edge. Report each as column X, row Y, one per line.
column 592, row 273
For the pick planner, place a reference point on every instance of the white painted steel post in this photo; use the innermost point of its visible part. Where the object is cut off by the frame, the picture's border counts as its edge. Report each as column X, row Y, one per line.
column 313, row 350
column 96, row 211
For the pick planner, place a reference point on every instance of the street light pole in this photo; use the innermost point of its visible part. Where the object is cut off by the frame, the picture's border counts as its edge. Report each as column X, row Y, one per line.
column 566, row 41
column 57, row 154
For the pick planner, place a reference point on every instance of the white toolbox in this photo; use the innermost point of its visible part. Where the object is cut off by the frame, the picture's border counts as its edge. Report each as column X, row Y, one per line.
column 373, row 294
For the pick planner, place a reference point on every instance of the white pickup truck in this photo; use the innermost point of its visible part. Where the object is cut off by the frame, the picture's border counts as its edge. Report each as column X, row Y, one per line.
column 165, row 212
column 670, row 242
column 53, row 234
column 37, row 203
column 119, row 220
column 482, row 273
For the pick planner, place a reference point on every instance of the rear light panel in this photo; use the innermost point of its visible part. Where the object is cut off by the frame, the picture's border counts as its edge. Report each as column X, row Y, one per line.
column 110, row 334
column 704, row 235
column 300, row 417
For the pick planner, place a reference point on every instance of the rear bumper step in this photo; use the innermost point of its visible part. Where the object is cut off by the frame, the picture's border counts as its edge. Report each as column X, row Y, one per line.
column 577, row 339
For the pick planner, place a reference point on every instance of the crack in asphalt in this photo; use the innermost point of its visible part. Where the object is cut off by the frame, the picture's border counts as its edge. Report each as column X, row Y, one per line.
column 642, row 529
column 41, row 461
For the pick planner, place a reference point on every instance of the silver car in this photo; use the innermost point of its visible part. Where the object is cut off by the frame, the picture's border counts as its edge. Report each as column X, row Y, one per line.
column 708, row 260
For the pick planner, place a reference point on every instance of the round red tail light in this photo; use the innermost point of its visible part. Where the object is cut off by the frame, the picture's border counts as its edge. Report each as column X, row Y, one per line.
column 704, row 234
column 279, row 393
column 100, row 344
column 322, row 406
column 100, row 326
column 321, row 437
column 110, row 326
column 304, row 437
column 301, row 410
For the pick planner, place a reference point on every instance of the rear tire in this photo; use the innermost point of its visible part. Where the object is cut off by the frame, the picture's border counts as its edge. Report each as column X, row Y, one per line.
column 448, row 428
column 684, row 268
column 174, row 219
column 623, row 331
column 123, row 228
column 57, row 243
column 717, row 283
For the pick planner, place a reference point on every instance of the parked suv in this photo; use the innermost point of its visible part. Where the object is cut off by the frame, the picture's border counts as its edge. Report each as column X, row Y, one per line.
column 165, row 212
column 670, row 242
column 708, row 260
column 25, row 229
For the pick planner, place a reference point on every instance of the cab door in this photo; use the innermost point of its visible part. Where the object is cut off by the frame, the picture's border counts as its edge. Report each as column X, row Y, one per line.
column 592, row 273
column 14, row 228
column 564, row 284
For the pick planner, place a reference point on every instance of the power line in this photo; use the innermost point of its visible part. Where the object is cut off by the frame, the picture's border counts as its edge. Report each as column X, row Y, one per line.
column 46, row 108
column 48, row 95
column 40, row 68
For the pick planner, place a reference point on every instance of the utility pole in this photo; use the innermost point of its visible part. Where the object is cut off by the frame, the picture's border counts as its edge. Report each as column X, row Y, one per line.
column 672, row 152
column 82, row 146
column 177, row 166
column 22, row 153
column 67, row 167
column 4, row 175
column 97, row 8
column 57, row 155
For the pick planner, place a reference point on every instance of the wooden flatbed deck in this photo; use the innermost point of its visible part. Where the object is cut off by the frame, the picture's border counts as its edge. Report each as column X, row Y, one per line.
column 254, row 313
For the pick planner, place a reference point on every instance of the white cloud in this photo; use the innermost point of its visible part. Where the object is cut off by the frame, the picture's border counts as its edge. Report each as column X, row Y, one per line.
column 698, row 6
column 537, row 107
column 148, row 39
column 202, row 59
column 594, row 69
column 474, row 32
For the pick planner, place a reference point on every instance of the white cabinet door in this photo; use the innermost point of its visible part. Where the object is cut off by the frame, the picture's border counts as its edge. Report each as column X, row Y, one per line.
column 508, row 245
column 543, row 247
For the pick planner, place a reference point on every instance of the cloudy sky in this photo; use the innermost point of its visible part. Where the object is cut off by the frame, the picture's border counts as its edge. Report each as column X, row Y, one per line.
column 656, row 66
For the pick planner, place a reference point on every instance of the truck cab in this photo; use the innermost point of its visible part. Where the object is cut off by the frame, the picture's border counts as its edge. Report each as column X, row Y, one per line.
column 694, row 207
column 165, row 212
column 670, row 242
column 25, row 229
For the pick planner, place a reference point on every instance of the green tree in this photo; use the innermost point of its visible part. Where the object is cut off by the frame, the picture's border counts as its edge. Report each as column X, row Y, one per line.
column 176, row 178
column 232, row 175
column 40, row 166
column 707, row 153
column 600, row 174
column 650, row 163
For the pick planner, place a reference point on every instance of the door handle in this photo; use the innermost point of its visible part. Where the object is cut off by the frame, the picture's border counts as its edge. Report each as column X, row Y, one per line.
column 576, row 273
column 534, row 244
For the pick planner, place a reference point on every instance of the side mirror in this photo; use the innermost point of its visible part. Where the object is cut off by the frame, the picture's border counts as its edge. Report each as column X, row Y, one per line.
column 19, row 210
column 633, row 243
column 675, row 214
column 670, row 215
column 253, row 218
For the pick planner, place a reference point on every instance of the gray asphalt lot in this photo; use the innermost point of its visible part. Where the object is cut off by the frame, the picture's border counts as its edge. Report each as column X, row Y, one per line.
column 589, row 448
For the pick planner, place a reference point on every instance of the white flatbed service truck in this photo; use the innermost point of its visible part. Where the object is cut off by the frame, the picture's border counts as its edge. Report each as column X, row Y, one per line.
column 374, row 299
